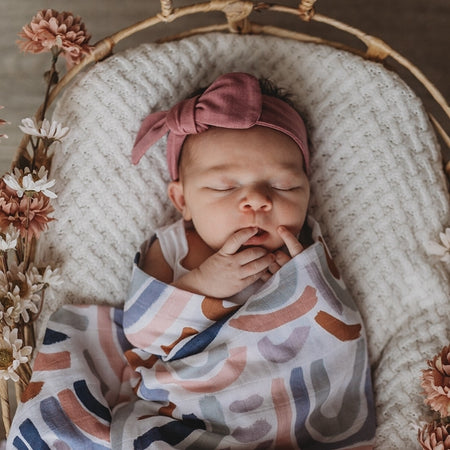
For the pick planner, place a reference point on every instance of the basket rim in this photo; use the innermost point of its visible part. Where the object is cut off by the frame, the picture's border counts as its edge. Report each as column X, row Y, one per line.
column 237, row 21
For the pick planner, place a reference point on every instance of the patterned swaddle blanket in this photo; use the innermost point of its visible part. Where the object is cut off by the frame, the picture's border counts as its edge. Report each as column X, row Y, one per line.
column 288, row 369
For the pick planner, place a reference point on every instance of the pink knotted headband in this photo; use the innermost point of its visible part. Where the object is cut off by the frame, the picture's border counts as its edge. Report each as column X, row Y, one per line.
column 232, row 101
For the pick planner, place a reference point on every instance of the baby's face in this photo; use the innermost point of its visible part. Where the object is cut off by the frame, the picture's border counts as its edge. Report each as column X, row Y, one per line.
column 235, row 179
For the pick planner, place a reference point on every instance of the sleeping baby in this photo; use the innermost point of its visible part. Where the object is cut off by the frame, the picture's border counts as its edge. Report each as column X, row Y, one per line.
column 255, row 342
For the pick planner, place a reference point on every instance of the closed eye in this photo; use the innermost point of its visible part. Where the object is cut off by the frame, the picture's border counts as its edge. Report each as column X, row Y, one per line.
column 286, row 188
column 220, row 188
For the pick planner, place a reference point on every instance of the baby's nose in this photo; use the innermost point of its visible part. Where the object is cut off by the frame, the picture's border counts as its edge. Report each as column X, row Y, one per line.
column 256, row 199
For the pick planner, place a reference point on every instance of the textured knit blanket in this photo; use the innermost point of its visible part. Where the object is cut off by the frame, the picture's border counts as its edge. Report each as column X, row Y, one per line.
column 377, row 189
column 288, row 369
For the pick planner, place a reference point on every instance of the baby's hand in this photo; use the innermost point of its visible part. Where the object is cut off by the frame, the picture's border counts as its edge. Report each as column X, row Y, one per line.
column 293, row 246
column 229, row 271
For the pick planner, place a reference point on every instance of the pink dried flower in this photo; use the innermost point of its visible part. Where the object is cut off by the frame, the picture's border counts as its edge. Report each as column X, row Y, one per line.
column 3, row 122
column 436, row 382
column 50, row 28
column 435, row 436
column 27, row 214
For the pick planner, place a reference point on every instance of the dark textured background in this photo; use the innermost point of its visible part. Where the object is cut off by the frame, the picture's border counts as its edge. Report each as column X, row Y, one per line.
column 418, row 29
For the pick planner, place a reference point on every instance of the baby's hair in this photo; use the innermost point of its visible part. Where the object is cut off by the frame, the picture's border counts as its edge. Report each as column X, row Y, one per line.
column 268, row 87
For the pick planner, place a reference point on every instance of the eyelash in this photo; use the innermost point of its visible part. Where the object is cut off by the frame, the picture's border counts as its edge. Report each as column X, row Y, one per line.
column 216, row 189
column 221, row 189
column 286, row 189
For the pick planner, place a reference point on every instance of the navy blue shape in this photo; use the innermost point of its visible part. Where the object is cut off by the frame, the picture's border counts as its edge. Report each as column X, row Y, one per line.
column 171, row 433
column 90, row 402
column 52, row 337
column 302, row 405
column 57, row 420
column 121, row 338
column 200, row 341
column 32, row 436
column 146, row 298
column 19, row 444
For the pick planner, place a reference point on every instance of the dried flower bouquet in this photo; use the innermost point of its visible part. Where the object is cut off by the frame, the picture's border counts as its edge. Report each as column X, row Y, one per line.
column 436, row 384
column 25, row 205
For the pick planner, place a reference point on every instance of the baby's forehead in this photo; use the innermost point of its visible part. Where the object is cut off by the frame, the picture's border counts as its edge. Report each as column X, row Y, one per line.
column 255, row 148
column 256, row 135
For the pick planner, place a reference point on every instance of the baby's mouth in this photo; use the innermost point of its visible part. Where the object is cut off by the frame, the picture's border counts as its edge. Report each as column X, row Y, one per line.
column 258, row 238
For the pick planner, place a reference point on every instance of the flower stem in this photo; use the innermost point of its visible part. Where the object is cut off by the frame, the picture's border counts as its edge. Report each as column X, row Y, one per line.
column 4, row 400
column 27, row 249
column 51, row 76
column 3, row 262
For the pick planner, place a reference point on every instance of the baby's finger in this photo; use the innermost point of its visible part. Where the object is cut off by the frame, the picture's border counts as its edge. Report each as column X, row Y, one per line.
column 274, row 267
column 293, row 245
column 266, row 275
column 256, row 266
column 250, row 254
column 281, row 258
column 237, row 240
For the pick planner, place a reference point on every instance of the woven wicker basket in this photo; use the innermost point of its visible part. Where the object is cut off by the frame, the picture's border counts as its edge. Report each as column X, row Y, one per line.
column 238, row 20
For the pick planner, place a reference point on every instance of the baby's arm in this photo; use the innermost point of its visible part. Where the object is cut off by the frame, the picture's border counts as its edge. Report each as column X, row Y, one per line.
column 229, row 270
column 155, row 264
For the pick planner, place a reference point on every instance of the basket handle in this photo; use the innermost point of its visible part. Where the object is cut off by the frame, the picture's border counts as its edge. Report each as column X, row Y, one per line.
column 306, row 9
column 166, row 8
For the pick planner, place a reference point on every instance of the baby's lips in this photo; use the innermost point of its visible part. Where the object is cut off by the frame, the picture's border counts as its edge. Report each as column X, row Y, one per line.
column 258, row 238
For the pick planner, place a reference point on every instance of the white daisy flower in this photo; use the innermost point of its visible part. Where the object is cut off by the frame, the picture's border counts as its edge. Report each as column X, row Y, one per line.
column 52, row 278
column 48, row 130
column 26, row 184
column 17, row 307
column 12, row 354
column 441, row 250
column 25, row 280
column 18, row 295
column 8, row 240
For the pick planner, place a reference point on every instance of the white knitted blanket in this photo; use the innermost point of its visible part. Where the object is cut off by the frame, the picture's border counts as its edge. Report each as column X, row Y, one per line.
column 377, row 190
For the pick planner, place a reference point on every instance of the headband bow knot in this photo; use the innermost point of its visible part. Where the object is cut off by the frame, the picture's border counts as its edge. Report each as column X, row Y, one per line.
column 232, row 101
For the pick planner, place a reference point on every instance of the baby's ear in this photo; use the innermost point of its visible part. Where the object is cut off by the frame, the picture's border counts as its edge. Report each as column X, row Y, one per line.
column 176, row 194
